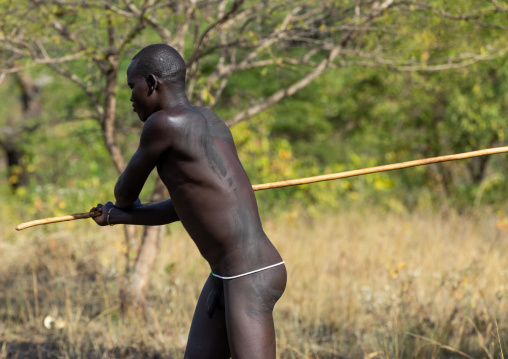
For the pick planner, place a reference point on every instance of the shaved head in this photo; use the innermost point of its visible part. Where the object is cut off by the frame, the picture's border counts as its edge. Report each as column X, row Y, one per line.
column 163, row 61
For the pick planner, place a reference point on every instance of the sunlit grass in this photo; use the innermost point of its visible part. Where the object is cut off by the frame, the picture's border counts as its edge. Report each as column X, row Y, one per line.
column 362, row 284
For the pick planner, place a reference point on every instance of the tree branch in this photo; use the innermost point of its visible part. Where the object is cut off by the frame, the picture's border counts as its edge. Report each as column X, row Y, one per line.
column 448, row 64
column 74, row 78
column 140, row 25
column 222, row 19
column 44, row 61
column 376, row 10
column 289, row 91
column 468, row 17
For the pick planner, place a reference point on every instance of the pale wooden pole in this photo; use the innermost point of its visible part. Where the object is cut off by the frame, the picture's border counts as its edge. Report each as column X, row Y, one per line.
column 306, row 180
column 69, row 217
column 395, row 166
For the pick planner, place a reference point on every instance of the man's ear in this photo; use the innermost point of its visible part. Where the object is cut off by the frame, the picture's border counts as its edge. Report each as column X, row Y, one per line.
column 152, row 83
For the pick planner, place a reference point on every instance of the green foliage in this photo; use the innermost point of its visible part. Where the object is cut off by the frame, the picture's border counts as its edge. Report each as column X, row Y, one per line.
column 350, row 118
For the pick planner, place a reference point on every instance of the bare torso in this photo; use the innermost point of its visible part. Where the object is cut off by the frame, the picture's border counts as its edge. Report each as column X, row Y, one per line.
column 211, row 192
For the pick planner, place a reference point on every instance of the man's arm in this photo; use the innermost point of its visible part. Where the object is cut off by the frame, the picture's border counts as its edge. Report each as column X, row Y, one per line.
column 156, row 214
column 155, row 139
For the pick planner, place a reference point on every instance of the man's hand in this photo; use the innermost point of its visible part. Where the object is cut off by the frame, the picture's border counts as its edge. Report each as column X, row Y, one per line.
column 105, row 210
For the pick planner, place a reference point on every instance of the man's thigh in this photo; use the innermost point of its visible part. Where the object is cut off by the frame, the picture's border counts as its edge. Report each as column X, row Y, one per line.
column 249, row 305
column 208, row 336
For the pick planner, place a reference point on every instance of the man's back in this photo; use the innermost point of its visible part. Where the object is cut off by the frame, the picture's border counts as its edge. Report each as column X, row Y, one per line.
column 211, row 191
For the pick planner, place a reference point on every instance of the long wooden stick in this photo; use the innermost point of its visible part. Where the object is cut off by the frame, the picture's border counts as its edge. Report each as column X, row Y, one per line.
column 306, row 180
column 70, row 217
column 395, row 166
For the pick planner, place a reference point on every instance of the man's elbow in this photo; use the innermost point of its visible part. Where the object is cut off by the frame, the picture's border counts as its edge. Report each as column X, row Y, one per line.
column 124, row 200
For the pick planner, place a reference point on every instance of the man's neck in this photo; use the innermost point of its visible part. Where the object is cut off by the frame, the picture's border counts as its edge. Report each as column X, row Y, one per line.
column 173, row 100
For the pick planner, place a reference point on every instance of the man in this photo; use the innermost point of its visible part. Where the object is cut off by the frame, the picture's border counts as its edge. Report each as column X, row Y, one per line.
column 211, row 195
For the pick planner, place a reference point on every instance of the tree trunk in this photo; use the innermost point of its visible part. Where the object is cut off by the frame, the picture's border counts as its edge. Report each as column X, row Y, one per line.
column 134, row 289
column 444, row 178
column 477, row 166
column 108, row 121
column 16, row 169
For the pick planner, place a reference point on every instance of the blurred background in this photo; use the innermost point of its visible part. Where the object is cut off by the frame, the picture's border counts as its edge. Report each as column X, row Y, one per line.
column 404, row 264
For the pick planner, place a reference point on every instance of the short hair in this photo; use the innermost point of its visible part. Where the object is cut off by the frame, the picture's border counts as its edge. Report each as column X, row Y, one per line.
column 161, row 60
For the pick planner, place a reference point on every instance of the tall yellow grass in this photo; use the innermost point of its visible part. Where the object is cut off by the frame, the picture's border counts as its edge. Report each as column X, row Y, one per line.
column 362, row 284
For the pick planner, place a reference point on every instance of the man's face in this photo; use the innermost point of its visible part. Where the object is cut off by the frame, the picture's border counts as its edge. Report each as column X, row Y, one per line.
column 143, row 102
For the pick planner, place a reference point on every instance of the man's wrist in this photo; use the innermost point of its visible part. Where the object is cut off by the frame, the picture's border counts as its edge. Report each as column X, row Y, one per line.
column 119, row 216
column 108, row 219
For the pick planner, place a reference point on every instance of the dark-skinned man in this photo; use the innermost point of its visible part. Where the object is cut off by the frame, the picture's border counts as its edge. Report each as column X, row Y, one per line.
column 195, row 156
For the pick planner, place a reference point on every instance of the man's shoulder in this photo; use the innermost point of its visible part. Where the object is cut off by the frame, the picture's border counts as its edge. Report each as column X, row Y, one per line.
column 211, row 117
column 204, row 111
column 157, row 121
column 160, row 124
column 170, row 118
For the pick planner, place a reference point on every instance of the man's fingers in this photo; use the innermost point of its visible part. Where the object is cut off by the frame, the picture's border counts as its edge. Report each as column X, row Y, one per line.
column 98, row 208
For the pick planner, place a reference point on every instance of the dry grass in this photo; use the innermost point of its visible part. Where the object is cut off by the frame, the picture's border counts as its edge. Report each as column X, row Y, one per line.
column 361, row 285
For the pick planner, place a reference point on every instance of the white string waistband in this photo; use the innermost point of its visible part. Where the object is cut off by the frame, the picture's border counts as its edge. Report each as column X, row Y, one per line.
column 251, row 272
